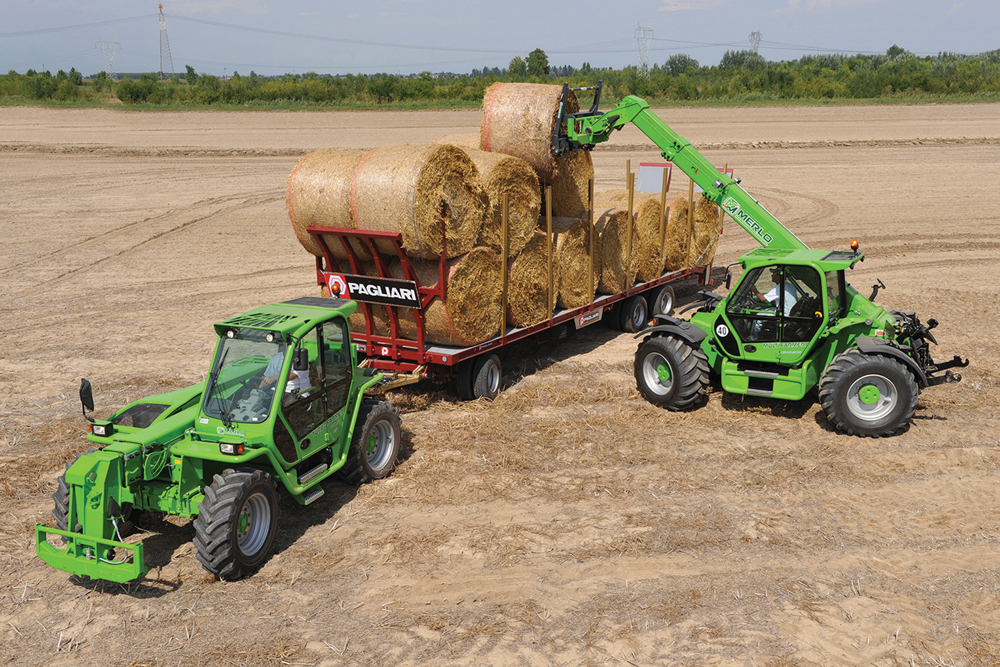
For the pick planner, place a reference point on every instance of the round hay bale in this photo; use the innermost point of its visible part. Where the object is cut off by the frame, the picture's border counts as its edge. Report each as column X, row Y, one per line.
column 460, row 140
column 571, row 185
column 646, row 247
column 704, row 233
column 572, row 257
column 528, row 284
column 612, row 227
column 518, row 119
column 678, row 235
column 411, row 189
column 318, row 195
column 507, row 174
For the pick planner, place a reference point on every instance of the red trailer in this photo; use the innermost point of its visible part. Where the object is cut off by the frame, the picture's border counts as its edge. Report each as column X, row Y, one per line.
column 476, row 368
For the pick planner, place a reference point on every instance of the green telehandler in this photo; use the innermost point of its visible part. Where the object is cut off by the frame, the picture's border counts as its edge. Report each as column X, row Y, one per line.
column 791, row 323
column 283, row 408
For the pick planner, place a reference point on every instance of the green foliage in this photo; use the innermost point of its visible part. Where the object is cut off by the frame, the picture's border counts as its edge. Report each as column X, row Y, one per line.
column 517, row 69
column 538, row 63
column 741, row 77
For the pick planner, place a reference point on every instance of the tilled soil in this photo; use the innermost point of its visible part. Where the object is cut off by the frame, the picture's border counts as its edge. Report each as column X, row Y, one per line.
column 568, row 522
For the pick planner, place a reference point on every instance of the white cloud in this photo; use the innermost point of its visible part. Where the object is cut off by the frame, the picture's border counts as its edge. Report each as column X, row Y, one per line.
column 685, row 5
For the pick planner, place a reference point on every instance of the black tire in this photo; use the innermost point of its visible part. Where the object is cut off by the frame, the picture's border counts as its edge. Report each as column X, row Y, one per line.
column 661, row 301
column 237, row 523
column 486, row 376
column 375, row 447
column 463, row 380
column 479, row 378
column 868, row 395
column 635, row 314
column 671, row 373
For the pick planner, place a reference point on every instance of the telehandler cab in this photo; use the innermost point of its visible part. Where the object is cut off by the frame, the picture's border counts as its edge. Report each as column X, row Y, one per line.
column 283, row 408
column 791, row 323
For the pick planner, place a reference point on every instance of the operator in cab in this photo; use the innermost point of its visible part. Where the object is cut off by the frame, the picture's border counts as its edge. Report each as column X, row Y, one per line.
column 791, row 293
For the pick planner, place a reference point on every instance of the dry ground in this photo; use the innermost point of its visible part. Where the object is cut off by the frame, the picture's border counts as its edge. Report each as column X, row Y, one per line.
column 567, row 523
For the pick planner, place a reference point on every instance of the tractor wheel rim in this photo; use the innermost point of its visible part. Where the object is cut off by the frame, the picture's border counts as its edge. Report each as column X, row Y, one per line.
column 380, row 445
column 871, row 397
column 253, row 524
column 658, row 381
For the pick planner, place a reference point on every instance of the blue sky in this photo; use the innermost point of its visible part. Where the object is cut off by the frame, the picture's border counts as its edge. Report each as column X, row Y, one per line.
column 405, row 36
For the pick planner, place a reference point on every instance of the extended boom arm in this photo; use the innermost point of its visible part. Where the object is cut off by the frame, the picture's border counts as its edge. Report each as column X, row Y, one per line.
column 584, row 130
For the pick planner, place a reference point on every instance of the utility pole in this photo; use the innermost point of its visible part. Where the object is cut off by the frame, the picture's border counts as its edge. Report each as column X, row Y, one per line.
column 643, row 35
column 166, row 62
column 754, row 40
column 108, row 49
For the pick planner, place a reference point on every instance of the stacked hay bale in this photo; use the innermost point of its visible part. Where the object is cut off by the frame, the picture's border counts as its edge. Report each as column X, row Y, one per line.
column 434, row 197
column 704, row 233
column 571, row 240
column 505, row 174
column 617, row 270
column 678, row 240
column 319, row 195
column 528, row 284
column 648, row 254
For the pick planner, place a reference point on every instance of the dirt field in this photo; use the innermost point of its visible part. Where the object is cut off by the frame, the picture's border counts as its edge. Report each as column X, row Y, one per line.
column 567, row 523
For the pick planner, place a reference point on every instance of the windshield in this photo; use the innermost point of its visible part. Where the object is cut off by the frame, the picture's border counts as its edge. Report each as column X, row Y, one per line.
column 236, row 390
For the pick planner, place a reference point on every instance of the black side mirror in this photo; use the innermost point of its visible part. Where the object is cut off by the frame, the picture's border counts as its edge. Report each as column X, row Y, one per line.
column 86, row 396
column 729, row 279
column 301, row 360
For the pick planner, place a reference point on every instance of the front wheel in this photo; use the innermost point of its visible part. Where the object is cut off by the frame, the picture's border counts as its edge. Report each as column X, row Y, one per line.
column 671, row 373
column 236, row 523
column 375, row 446
column 868, row 395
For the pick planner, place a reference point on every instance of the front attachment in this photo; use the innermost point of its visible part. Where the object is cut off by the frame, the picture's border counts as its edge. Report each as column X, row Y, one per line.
column 86, row 555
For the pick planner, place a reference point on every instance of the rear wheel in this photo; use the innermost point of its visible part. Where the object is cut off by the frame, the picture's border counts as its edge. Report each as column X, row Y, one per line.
column 237, row 523
column 868, row 395
column 480, row 378
column 662, row 301
column 375, row 446
column 635, row 314
column 671, row 373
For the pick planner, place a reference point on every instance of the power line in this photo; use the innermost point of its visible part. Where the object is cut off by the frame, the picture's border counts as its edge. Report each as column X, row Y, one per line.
column 41, row 31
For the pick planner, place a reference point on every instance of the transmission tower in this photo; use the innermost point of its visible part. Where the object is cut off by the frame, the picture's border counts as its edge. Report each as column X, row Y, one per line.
column 108, row 49
column 166, row 62
column 643, row 35
column 754, row 40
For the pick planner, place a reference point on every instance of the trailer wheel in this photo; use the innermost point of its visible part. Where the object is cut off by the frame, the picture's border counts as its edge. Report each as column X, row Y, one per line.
column 671, row 373
column 236, row 523
column 375, row 446
column 662, row 302
column 480, row 378
column 868, row 395
column 635, row 314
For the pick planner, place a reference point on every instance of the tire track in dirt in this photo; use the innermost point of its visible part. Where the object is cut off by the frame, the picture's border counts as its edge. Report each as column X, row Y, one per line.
column 244, row 203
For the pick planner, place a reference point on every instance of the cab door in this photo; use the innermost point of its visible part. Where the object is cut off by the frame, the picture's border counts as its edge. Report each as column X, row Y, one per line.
column 773, row 315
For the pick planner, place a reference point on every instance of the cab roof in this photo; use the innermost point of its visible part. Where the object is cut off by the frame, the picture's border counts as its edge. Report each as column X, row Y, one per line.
column 288, row 317
column 828, row 260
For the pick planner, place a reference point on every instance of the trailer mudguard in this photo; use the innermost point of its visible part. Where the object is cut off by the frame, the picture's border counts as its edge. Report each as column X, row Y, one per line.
column 672, row 325
column 871, row 345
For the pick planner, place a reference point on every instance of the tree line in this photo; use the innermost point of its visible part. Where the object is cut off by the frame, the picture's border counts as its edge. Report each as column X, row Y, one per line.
column 741, row 76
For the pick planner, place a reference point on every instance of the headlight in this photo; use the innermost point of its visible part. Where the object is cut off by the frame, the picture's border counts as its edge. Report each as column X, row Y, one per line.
column 103, row 430
column 230, row 448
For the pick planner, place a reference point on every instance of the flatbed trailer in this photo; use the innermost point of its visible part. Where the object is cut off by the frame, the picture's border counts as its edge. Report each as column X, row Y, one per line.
column 476, row 368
